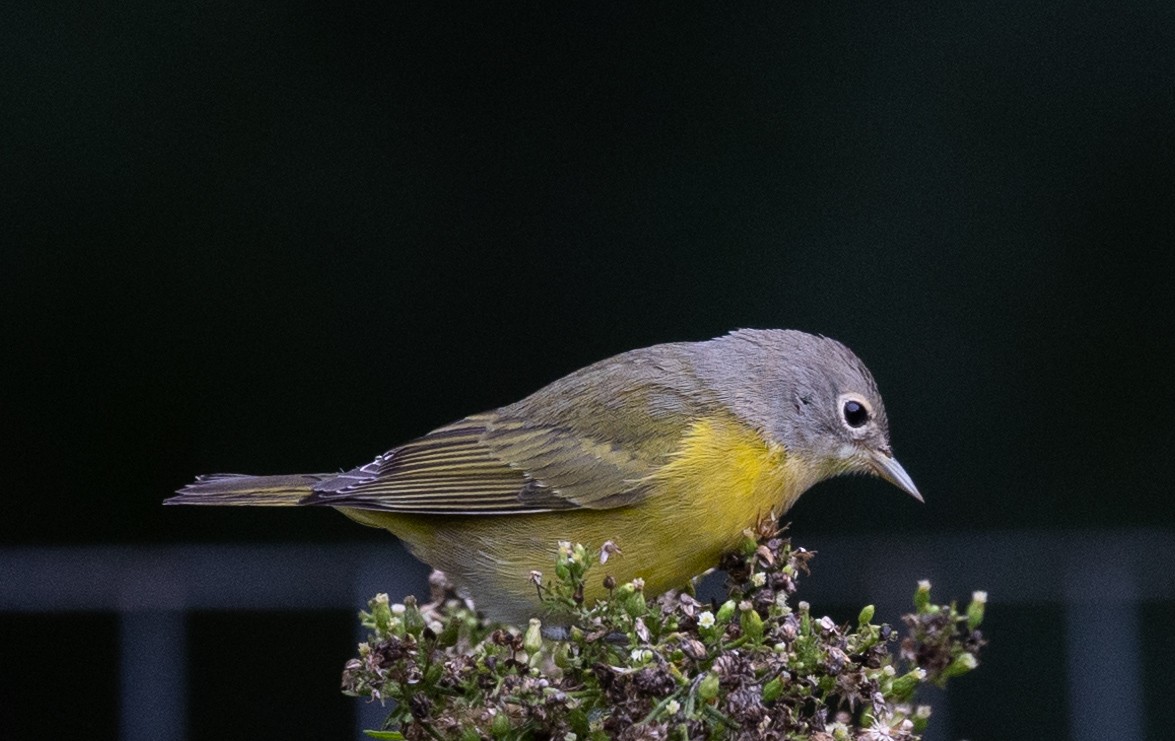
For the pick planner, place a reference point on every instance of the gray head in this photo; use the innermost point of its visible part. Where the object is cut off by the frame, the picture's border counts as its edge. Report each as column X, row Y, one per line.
column 808, row 393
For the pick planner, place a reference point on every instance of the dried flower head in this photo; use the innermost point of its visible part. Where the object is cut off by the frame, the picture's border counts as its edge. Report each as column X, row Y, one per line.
column 631, row 668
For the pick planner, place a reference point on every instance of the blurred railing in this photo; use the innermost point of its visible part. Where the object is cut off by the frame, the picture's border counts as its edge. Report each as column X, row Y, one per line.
column 1101, row 578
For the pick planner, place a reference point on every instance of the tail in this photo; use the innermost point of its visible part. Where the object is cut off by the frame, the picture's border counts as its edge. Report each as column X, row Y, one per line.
column 234, row 489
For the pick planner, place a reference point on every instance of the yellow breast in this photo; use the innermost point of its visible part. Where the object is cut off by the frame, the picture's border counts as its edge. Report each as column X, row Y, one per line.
column 721, row 480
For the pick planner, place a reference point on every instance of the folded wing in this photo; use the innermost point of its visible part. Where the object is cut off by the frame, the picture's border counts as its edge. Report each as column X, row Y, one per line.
column 491, row 464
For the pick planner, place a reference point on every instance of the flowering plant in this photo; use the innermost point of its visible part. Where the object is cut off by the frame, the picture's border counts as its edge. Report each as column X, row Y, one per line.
column 760, row 665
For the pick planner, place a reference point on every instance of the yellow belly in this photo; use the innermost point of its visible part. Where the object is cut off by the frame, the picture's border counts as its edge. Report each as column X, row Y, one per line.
column 723, row 478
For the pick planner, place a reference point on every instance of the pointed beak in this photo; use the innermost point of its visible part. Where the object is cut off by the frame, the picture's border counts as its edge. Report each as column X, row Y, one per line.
column 888, row 468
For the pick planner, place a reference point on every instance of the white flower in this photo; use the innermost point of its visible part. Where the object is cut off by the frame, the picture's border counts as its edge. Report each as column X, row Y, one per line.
column 759, row 579
column 672, row 707
column 398, row 609
column 641, row 655
column 781, row 603
column 879, row 732
column 706, row 619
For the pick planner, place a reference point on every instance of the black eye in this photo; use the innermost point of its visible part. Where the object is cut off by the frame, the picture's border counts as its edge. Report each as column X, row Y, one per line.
column 855, row 413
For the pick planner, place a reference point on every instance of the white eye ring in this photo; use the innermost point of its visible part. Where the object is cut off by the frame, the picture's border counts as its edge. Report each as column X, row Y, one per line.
column 855, row 411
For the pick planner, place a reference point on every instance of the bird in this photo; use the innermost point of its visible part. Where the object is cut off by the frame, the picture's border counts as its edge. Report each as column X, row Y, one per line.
column 670, row 452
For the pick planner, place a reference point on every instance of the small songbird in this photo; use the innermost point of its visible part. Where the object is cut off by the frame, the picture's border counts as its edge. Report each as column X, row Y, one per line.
column 669, row 451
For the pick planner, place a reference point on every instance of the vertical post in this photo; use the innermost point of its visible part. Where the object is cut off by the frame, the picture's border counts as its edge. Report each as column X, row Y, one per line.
column 1102, row 636
column 152, row 675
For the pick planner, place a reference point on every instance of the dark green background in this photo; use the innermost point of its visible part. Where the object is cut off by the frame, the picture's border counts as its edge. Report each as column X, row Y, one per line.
column 251, row 238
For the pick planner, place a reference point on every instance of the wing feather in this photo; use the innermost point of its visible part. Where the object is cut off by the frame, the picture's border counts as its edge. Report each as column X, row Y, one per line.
column 487, row 464
column 588, row 440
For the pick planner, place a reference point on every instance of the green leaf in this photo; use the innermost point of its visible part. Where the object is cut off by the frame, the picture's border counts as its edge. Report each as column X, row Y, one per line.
column 388, row 735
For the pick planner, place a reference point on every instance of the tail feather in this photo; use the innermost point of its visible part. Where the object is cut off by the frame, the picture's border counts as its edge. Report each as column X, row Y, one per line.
column 234, row 489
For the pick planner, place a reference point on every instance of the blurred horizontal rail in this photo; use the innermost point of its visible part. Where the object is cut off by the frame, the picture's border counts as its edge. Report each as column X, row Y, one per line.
column 189, row 577
column 1015, row 567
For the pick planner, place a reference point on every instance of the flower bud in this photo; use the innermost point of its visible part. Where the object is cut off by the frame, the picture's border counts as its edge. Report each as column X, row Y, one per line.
column 904, row 686
column 533, row 640
column 961, row 664
column 921, row 718
column 413, row 619
column 381, row 613
column 975, row 609
column 635, row 604
column 866, row 616
column 749, row 544
column 751, row 624
column 726, row 612
column 708, row 687
column 562, row 655
column 922, row 597
column 500, row 725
